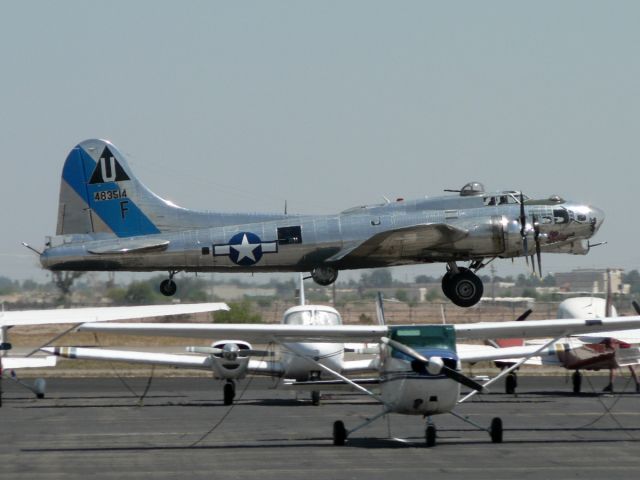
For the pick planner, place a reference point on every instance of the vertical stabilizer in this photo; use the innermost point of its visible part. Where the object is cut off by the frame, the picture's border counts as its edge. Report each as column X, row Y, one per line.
column 99, row 194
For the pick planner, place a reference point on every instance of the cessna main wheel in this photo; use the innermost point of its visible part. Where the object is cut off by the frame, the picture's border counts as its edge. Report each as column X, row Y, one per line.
column 464, row 289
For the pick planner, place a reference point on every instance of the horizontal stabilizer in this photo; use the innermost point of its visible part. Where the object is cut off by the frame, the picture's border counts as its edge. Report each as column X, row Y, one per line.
column 331, row 385
column 124, row 246
column 12, row 363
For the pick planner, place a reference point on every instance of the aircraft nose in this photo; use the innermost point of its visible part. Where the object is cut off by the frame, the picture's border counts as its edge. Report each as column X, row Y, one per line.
column 596, row 217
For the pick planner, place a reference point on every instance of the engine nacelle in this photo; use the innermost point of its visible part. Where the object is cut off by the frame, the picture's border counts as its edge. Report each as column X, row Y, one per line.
column 228, row 361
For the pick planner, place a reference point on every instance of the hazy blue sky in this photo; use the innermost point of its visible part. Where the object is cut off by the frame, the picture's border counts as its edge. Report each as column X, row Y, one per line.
column 243, row 105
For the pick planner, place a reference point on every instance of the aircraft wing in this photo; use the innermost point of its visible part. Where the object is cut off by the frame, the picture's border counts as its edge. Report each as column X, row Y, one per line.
column 627, row 336
column 176, row 360
column 102, row 314
column 278, row 333
column 149, row 358
column 12, row 363
column 388, row 242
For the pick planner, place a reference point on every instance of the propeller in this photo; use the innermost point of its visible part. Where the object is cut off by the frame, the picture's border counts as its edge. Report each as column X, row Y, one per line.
column 523, row 229
column 524, row 315
column 434, row 365
column 229, row 352
column 636, row 307
column 536, row 237
column 525, row 240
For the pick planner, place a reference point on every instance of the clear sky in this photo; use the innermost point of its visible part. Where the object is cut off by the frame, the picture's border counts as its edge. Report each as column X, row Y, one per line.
column 239, row 106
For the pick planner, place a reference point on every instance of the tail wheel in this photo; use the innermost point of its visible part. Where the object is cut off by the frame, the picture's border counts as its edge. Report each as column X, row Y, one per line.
column 496, row 430
column 339, row 433
column 168, row 287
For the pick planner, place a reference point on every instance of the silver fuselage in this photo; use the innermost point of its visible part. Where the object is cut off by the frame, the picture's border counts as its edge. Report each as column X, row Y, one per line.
column 196, row 241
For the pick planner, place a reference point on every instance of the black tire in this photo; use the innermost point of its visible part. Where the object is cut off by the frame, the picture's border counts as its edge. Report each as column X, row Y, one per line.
column 229, row 393
column 430, row 436
column 446, row 285
column 324, row 276
column 576, row 380
column 496, row 430
column 339, row 433
column 315, row 397
column 168, row 287
column 510, row 384
column 466, row 288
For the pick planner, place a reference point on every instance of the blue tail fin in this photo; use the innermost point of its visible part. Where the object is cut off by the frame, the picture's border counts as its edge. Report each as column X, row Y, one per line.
column 99, row 194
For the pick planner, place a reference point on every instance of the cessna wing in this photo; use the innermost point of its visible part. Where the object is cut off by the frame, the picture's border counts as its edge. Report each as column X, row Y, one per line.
column 416, row 238
column 358, row 333
column 102, row 314
column 175, row 360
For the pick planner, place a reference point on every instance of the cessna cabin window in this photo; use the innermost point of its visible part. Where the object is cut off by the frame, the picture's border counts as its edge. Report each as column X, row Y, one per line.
column 312, row 317
column 289, row 235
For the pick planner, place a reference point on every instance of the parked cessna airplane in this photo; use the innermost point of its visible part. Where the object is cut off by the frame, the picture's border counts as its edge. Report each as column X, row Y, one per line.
column 109, row 221
column 230, row 360
column 419, row 367
column 76, row 317
column 604, row 350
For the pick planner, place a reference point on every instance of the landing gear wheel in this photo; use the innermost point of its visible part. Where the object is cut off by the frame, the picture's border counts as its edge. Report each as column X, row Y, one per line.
column 465, row 288
column 576, row 379
column 446, row 285
column 430, row 436
column 229, row 393
column 315, row 397
column 324, row 276
column 339, row 433
column 511, row 383
column 496, row 430
column 168, row 287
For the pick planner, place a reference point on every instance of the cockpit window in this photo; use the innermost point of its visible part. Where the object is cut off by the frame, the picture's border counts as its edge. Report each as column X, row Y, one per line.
column 560, row 216
column 312, row 317
column 504, row 199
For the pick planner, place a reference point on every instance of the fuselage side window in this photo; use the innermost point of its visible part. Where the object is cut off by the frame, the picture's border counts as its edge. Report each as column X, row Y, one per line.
column 289, row 235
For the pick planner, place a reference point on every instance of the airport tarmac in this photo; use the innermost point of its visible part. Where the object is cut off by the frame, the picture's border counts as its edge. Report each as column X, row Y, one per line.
column 96, row 428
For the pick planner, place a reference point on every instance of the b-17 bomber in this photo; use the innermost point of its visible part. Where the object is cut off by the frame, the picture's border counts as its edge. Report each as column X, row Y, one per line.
column 109, row 221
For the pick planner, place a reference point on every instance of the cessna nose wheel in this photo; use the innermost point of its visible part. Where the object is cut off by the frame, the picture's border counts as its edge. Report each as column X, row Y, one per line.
column 463, row 288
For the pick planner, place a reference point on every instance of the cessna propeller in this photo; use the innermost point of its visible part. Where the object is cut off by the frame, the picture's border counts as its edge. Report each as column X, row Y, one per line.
column 434, row 365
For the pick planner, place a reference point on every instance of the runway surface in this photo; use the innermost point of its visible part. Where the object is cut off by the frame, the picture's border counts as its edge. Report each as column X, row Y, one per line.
column 96, row 428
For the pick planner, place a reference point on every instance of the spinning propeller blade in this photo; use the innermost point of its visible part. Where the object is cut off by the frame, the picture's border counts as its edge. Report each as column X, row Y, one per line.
column 430, row 364
column 636, row 307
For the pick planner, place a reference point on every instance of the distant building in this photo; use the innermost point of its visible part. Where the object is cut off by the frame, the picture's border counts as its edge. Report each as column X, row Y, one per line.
column 588, row 280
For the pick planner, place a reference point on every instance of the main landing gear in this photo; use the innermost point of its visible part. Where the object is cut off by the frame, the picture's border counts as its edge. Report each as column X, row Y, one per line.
column 462, row 286
column 340, row 433
column 168, row 287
